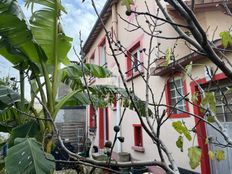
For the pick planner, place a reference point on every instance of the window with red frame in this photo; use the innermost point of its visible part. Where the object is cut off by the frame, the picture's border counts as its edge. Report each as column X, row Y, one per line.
column 91, row 118
column 134, row 61
column 175, row 92
column 138, row 136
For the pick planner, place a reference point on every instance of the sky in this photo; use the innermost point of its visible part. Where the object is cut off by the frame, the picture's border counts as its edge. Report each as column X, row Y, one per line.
column 80, row 17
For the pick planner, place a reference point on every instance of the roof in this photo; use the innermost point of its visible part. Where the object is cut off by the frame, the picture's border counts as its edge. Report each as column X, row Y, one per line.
column 105, row 14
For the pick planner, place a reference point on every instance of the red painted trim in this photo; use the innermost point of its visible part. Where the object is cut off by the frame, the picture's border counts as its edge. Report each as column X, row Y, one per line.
column 138, row 43
column 101, row 126
column 91, row 119
column 201, row 128
column 168, row 98
column 136, row 136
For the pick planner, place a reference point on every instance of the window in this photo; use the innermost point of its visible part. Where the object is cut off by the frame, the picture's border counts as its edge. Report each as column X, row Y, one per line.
column 135, row 59
column 223, row 98
column 175, row 91
column 138, row 138
column 91, row 119
column 102, row 53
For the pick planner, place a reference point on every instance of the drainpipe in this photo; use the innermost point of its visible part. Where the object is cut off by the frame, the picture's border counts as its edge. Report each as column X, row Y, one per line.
column 115, row 21
column 118, row 117
column 115, row 37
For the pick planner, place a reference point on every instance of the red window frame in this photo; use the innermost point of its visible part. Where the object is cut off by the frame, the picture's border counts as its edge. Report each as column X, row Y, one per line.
column 138, row 135
column 168, row 98
column 138, row 138
column 100, row 45
column 92, row 120
column 137, row 44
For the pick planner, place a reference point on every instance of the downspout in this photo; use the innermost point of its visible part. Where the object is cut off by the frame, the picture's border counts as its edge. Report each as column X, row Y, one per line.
column 118, row 117
column 115, row 37
column 115, row 21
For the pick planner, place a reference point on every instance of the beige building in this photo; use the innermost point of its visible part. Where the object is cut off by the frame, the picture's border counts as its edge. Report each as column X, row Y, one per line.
column 134, row 40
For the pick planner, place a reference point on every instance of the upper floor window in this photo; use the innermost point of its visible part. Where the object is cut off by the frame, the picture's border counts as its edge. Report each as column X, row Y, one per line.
column 102, row 53
column 176, row 97
column 135, row 60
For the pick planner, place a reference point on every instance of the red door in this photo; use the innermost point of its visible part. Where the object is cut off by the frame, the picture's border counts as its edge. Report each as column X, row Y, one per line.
column 103, row 127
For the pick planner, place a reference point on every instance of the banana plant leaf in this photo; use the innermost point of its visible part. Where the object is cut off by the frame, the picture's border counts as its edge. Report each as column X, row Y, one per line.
column 16, row 43
column 72, row 74
column 48, row 32
column 8, row 97
column 27, row 157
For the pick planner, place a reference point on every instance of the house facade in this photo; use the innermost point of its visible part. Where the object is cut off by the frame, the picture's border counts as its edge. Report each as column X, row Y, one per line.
column 164, row 80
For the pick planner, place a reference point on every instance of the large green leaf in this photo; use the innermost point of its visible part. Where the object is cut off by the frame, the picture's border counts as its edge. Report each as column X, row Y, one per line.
column 27, row 157
column 72, row 74
column 8, row 97
column 29, row 129
column 47, row 31
column 82, row 99
column 16, row 41
column 8, row 119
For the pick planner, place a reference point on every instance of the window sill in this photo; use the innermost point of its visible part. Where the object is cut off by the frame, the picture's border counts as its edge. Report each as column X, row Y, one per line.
column 135, row 75
column 183, row 115
column 138, row 149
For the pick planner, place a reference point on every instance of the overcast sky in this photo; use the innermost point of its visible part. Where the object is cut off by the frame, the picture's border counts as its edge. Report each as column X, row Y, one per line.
column 80, row 17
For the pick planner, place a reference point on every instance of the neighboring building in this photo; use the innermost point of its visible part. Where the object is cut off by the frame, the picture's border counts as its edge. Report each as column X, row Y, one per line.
column 71, row 122
column 137, row 142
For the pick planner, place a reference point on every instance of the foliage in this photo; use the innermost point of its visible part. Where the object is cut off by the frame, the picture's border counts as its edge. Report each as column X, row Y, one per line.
column 226, row 38
column 194, row 154
column 27, row 153
column 128, row 4
column 182, row 129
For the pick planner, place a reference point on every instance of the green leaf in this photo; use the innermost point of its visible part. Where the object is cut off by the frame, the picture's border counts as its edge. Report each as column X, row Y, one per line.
column 195, row 97
column 168, row 54
column 211, row 119
column 16, row 43
column 189, row 68
column 209, row 101
column 194, row 154
column 8, row 97
column 211, row 155
column 27, row 157
column 182, row 129
column 72, row 74
column 179, row 143
column 28, row 129
column 48, row 33
column 128, row 4
column 226, row 38
column 220, row 154
column 9, row 118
